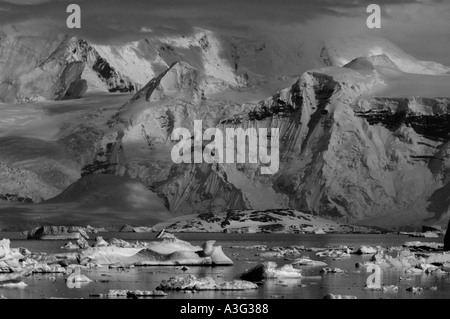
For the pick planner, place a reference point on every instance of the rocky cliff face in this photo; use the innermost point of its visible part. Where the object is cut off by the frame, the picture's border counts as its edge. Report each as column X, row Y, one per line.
column 64, row 68
column 346, row 153
column 351, row 154
column 138, row 143
column 26, row 71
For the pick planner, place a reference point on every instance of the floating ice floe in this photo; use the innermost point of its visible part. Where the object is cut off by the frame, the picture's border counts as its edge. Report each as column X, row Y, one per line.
column 390, row 288
column 76, row 276
column 428, row 234
column 415, row 290
column 344, row 251
column 131, row 293
column 58, row 233
column 335, row 253
column 81, row 243
column 100, row 242
column 306, row 262
column 269, row 270
column 20, row 284
column 183, row 268
column 70, row 245
column 132, row 229
column 254, row 247
column 167, row 252
column 193, row 283
column 271, row 254
column 364, row 250
column 163, row 234
column 278, row 252
column 331, row 296
column 328, row 270
column 413, row 263
column 9, row 258
column 423, row 246
column 414, row 271
column 404, row 259
column 14, row 279
column 48, row 269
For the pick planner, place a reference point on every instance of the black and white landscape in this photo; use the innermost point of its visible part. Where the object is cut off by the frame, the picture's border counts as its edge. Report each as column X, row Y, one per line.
column 86, row 117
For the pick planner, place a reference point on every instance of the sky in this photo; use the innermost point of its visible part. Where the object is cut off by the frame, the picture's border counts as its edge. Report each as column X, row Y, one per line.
column 420, row 27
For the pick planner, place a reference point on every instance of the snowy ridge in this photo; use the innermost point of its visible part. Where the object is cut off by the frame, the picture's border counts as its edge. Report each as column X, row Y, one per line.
column 341, row 51
column 232, row 61
column 257, row 221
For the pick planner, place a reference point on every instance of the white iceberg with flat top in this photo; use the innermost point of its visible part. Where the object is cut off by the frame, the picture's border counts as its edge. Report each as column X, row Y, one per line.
column 165, row 253
column 269, row 270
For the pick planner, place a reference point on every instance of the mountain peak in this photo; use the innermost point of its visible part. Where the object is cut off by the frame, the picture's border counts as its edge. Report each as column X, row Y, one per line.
column 371, row 62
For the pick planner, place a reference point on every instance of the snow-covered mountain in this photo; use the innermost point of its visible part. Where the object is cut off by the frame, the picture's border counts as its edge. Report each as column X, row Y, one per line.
column 363, row 125
column 63, row 67
column 43, row 65
column 347, row 151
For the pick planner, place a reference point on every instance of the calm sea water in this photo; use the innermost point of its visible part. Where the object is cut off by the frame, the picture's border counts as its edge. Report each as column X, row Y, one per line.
column 312, row 285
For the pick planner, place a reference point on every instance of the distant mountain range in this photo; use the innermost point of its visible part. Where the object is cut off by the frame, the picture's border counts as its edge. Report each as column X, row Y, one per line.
column 364, row 128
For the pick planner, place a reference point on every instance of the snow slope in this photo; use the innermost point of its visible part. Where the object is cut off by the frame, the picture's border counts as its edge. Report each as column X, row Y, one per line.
column 106, row 200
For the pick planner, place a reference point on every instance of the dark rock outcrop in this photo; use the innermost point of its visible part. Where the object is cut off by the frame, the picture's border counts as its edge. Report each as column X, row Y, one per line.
column 76, row 90
column 57, row 233
column 447, row 239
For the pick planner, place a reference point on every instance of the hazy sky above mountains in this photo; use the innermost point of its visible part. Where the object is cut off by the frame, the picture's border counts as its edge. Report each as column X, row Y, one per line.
column 420, row 27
